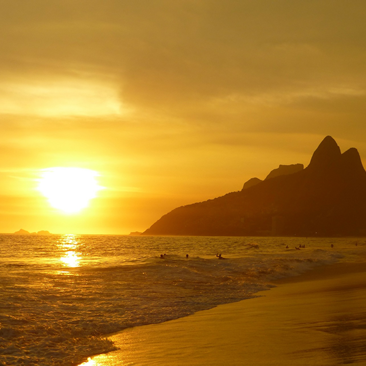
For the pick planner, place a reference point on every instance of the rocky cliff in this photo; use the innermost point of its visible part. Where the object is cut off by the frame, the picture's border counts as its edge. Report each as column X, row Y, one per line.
column 327, row 198
column 281, row 170
column 285, row 170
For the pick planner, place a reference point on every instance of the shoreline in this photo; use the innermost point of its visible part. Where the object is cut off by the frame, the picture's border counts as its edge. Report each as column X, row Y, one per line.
column 316, row 318
column 324, row 272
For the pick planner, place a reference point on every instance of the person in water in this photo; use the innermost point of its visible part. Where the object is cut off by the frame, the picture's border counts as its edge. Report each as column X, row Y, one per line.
column 219, row 256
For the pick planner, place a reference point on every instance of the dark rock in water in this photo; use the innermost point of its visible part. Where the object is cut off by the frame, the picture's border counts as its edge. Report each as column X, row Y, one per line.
column 135, row 233
column 43, row 232
column 25, row 232
column 327, row 198
column 285, row 170
column 251, row 183
column 22, row 232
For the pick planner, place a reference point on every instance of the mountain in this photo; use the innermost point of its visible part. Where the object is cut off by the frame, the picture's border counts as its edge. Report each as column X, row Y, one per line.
column 285, row 170
column 252, row 182
column 281, row 170
column 25, row 232
column 135, row 233
column 43, row 232
column 22, row 232
column 327, row 198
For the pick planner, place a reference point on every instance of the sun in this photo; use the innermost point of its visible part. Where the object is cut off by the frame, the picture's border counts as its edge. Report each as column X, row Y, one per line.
column 69, row 189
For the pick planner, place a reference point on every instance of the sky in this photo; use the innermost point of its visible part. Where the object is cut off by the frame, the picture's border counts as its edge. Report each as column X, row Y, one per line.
column 170, row 102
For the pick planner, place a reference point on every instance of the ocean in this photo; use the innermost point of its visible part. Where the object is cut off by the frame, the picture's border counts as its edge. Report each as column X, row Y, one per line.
column 62, row 295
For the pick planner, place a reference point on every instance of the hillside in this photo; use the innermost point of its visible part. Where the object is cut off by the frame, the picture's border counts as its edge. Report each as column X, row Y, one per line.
column 327, row 198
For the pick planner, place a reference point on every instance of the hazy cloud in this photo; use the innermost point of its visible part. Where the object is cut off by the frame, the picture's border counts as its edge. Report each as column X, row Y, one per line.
column 153, row 88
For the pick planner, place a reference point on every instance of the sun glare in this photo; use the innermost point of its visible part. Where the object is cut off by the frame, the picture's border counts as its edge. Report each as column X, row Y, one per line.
column 69, row 189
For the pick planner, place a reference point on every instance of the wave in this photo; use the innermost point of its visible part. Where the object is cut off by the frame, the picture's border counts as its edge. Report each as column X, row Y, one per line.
column 60, row 317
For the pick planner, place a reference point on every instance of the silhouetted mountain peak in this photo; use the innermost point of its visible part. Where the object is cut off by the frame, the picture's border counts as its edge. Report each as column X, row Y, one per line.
column 351, row 161
column 327, row 198
column 285, row 170
column 252, row 182
column 326, row 155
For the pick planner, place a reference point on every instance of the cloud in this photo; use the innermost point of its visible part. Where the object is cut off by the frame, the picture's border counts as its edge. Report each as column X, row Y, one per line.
column 169, row 54
column 153, row 92
column 60, row 98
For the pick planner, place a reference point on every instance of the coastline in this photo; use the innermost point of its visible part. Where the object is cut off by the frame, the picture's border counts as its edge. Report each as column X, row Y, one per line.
column 316, row 318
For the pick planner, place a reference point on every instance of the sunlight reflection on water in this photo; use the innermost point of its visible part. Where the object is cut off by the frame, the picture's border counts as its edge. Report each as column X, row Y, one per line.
column 71, row 257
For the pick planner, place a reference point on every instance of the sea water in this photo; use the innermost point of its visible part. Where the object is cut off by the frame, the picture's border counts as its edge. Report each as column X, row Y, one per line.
column 62, row 295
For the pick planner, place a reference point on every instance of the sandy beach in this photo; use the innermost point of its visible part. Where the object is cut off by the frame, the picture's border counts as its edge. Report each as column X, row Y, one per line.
column 318, row 318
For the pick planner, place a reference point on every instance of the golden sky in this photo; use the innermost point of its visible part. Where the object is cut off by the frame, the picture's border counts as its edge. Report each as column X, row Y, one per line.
column 171, row 102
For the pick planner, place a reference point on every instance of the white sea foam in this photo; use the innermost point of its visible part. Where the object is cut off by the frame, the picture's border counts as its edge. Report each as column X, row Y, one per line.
column 61, row 295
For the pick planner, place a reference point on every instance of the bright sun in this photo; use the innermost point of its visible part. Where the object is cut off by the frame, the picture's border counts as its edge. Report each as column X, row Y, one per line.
column 69, row 189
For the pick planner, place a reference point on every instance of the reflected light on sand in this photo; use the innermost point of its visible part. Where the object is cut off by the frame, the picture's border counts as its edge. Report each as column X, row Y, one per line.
column 103, row 360
column 90, row 362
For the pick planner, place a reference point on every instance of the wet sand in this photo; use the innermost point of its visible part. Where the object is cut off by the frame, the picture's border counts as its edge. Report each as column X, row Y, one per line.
column 315, row 319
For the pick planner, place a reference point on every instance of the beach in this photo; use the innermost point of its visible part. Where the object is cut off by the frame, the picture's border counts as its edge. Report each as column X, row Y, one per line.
column 318, row 318
column 73, row 296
